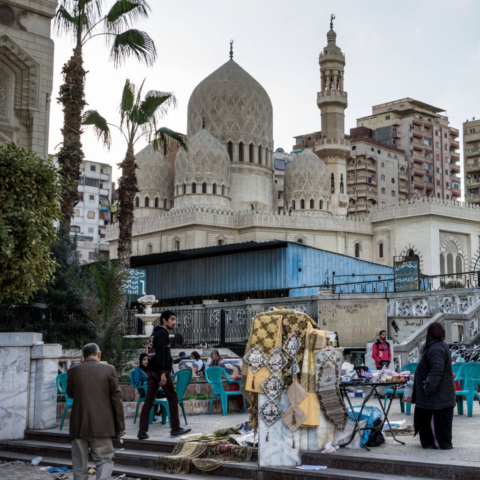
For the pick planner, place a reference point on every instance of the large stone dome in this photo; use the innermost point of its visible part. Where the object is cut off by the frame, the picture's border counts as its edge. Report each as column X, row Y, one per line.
column 235, row 106
column 307, row 183
column 203, row 170
column 155, row 179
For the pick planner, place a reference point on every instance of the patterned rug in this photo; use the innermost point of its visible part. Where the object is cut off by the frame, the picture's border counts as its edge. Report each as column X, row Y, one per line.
column 216, row 456
column 327, row 374
column 180, row 461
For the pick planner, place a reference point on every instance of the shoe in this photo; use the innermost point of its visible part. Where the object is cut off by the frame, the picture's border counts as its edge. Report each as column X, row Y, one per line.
column 182, row 431
column 142, row 435
column 158, row 418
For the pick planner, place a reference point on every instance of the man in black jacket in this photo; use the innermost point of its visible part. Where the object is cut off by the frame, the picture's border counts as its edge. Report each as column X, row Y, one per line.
column 159, row 372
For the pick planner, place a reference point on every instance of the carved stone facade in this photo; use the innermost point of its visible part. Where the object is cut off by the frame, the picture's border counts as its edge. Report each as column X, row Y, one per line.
column 26, row 69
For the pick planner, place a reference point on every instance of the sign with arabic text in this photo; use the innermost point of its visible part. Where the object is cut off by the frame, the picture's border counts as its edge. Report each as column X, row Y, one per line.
column 136, row 283
column 406, row 274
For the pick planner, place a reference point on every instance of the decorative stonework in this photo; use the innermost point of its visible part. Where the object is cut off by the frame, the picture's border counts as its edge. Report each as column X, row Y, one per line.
column 235, row 106
column 447, row 305
column 4, row 93
column 307, row 178
column 464, row 303
column 404, row 308
column 420, row 307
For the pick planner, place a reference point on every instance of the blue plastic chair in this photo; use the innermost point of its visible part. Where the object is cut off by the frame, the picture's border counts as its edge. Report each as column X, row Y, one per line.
column 182, row 377
column 409, row 367
column 458, row 372
column 214, row 376
column 471, row 377
column 140, row 398
column 62, row 390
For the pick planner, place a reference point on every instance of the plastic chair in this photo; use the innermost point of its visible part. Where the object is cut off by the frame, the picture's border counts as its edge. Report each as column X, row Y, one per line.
column 471, row 377
column 140, row 398
column 182, row 377
column 214, row 376
column 409, row 367
column 62, row 390
column 458, row 372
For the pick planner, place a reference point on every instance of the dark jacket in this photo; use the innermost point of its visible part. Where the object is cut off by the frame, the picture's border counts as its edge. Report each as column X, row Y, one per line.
column 97, row 400
column 159, row 356
column 434, row 385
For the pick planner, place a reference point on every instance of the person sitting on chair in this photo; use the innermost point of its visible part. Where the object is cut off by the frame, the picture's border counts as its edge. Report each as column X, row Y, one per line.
column 200, row 363
column 216, row 359
column 182, row 356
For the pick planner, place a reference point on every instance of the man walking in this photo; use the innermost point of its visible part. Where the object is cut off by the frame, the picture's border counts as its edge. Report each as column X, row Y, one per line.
column 159, row 371
column 381, row 351
column 97, row 414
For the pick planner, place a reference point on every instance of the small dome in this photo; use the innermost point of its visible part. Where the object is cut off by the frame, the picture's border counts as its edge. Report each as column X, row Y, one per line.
column 206, row 161
column 280, row 150
column 154, row 176
column 307, row 178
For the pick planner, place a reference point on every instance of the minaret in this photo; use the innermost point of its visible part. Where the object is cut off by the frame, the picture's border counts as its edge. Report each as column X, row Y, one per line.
column 333, row 148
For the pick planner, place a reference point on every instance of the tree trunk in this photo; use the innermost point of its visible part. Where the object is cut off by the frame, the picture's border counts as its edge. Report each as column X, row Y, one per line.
column 126, row 195
column 70, row 157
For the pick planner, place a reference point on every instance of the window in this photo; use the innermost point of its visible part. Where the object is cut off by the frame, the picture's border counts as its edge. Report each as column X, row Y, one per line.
column 177, row 245
column 194, row 188
column 91, row 214
column 393, row 180
column 91, row 255
column 320, row 204
column 293, row 204
column 76, row 213
column 92, row 182
column 458, row 264
column 90, row 229
column 230, row 150
column 391, row 167
column 220, row 242
column 204, row 187
column 445, row 147
column 240, row 152
column 442, row 265
column 445, row 135
column 156, row 202
column 472, row 130
column 149, row 249
column 437, row 133
column 387, row 117
column 446, row 172
column 302, row 204
column 383, row 191
column 184, row 189
column 450, row 263
column 393, row 193
column 357, row 250
column 266, row 156
column 448, row 197
column 312, row 203
column 93, row 168
column 448, row 184
column 383, row 165
column 438, row 195
column 428, row 142
column 92, row 198
column 101, row 185
column 75, row 229
column 380, row 250
column 147, row 202
column 354, row 147
column 309, row 138
column 439, row 170
column 250, row 153
column 223, row 189
column 437, row 144
column 379, row 152
column 428, row 179
column 382, row 177
column 214, row 188
column 260, row 154
column 438, row 182
column 165, row 203
column 137, row 202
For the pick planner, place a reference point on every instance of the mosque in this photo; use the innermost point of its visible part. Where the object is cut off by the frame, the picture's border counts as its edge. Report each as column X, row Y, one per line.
column 222, row 191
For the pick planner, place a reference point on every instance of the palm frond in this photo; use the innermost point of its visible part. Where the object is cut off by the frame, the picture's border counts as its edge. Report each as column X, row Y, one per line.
column 133, row 43
column 165, row 139
column 64, row 21
column 157, row 102
column 125, row 13
column 128, row 97
column 100, row 126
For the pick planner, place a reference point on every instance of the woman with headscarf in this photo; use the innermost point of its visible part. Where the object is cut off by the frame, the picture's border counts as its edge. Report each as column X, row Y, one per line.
column 434, row 392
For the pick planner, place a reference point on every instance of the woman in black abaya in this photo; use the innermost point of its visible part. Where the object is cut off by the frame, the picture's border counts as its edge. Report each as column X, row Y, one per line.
column 434, row 392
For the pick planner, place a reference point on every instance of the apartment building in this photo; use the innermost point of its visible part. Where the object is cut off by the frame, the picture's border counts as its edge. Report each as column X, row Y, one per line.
column 376, row 173
column 429, row 142
column 92, row 213
column 471, row 160
column 281, row 160
column 306, row 140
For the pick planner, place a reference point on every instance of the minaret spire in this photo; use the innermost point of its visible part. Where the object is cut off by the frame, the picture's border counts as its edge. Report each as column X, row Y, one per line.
column 332, row 18
column 231, row 49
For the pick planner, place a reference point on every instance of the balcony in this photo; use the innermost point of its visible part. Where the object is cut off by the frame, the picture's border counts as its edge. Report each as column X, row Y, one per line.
column 471, row 166
column 419, row 173
column 351, row 167
column 456, row 192
column 454, row 131
column 454, row 156
column 473, row 182
column 455, row 178
column 403, row 176
column 352, row 181
column 455, row 168
column 454, row 144
column 357, row 208
column 428, row 148
column 403, row 188
column 473, row 198
column 417, row 134
column 396, row 134
column 418, row 147
column 427, row 135
column 472, row 151
column 417, row 122
column 418, row 160
column 419, row 185
column 364, row 179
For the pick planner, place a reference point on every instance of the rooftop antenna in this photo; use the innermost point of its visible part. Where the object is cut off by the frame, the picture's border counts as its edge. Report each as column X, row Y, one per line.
column 231, row 49
column 332, row 18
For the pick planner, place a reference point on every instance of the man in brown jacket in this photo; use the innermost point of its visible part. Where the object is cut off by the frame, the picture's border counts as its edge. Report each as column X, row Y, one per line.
column 97, row 413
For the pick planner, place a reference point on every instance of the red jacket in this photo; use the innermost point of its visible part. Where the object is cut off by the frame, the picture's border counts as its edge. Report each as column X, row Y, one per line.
column 381, row 352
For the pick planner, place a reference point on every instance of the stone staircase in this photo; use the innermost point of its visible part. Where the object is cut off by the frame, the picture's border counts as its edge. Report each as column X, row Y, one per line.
column 137, row 459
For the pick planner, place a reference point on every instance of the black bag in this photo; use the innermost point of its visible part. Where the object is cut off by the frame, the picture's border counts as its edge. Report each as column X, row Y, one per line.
column 376, row 437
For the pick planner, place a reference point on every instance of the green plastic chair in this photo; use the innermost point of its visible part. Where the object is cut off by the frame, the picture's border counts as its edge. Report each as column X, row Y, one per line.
column 214, row 375
column 182, row 377
column 471, row 377
column 458, row 371
column 140, row 398
column 62, row 390
column 409, row 367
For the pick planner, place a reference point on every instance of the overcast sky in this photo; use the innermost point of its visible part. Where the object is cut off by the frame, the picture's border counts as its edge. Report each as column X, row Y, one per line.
column 428, row 50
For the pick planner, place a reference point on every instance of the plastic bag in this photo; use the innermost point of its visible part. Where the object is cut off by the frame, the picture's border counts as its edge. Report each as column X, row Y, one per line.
column 369, row 413
column 408, row 393
column 36, row 461
column 329, row 448
column 244, row 428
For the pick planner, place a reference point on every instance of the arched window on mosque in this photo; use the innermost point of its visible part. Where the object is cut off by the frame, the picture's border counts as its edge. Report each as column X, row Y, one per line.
column 260, row 154
column 177, row 244
column 204, row 188
column 442, row 264
column 156, row 202
column 165, row 203
column 293, row 204
column 357, row 250
column 137, row 202
column 300, row 240
column 147, row 202
column 320, row 204
column 380, row 250
column 194, row 187
column 220, row 242
column 312, row 204
column 450, row 264
column 149, row 249
column 214, row 189
column 458, row 264
column 302, row 204
column 240, row 152
column 230, row 150
column 223, row 189
column 250, row 153
column 266, row 156
column 184, row 189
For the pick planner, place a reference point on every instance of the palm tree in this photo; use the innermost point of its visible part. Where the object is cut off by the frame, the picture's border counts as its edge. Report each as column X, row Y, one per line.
column 138, row 119
column 84, row 20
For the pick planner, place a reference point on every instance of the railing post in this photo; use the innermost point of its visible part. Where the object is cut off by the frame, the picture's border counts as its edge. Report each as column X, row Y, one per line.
column 222, row 328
